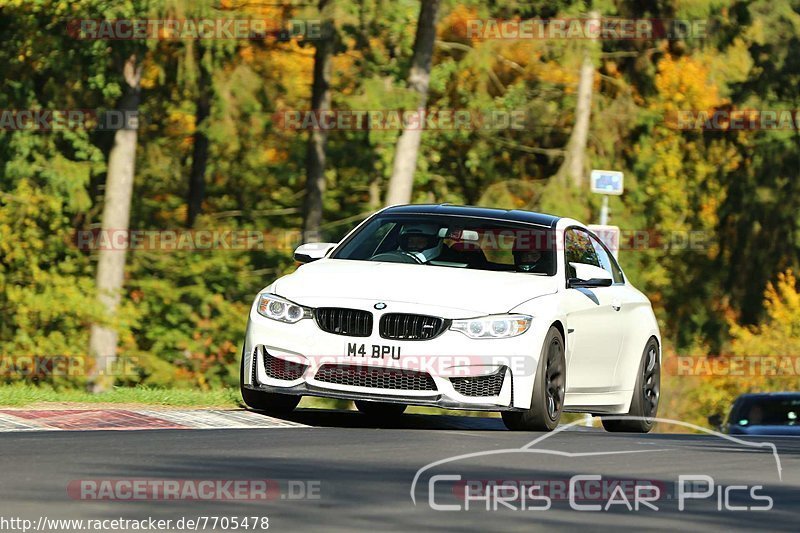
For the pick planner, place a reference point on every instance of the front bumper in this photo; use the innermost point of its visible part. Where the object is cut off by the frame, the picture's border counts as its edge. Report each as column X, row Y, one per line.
column 447, row 358
column 450, row 399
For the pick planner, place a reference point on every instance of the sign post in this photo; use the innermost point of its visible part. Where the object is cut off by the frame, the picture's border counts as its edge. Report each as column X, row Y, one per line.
column 607, row 182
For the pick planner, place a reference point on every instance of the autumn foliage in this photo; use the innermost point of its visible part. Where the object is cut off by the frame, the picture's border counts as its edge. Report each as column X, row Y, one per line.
column 183, row 312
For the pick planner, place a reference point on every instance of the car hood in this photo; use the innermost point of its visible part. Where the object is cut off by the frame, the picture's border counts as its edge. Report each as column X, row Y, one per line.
column 475, row 291
column 765, row 430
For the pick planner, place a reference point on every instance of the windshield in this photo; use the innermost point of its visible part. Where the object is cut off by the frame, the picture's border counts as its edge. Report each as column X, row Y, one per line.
column 766, row 412
column 453, row 241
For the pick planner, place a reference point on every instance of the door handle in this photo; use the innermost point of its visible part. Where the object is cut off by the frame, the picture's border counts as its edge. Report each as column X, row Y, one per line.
column 616, row 305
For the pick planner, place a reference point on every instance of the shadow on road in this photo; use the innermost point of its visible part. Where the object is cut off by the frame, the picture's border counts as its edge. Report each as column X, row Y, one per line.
column 354, row 419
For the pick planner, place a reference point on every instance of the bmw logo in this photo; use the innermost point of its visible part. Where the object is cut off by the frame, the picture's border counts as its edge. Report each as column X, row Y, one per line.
column 380, row 305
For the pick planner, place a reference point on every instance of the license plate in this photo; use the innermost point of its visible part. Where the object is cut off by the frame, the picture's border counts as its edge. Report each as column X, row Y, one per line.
column 373, row 351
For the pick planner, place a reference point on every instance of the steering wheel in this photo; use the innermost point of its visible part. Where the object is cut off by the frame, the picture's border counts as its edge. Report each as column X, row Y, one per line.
column 397, row 256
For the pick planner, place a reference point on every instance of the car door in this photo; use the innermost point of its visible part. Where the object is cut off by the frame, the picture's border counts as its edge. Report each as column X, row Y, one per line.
column 624, row 300
column 594, row 328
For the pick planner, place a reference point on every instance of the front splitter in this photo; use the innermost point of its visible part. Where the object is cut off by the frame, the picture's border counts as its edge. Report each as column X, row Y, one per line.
column 435, row 400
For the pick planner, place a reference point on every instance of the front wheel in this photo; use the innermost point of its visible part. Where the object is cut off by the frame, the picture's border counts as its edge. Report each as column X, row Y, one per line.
column 380, row 409
column 547, row 400
column 646, row 395
column 270, row 402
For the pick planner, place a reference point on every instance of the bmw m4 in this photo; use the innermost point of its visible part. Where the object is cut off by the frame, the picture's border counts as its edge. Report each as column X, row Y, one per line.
column 458, row 307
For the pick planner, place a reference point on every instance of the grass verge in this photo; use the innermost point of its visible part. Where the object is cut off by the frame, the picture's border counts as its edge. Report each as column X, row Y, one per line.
column 22, row 395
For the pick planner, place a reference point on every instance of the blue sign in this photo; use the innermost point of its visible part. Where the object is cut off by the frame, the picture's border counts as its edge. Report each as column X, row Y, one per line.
column 607, row 182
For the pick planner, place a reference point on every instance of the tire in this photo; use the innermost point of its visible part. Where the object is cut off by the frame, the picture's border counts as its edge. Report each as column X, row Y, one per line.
column 269, row 402
column 547, row 400
column 646, row 395
column 380, row 409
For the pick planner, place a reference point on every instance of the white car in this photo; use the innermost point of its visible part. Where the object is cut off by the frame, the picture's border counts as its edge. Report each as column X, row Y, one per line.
column 462, row 308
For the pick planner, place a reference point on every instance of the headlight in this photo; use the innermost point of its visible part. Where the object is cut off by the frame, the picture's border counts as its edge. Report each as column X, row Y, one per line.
column 280, row 309
column 493, row 327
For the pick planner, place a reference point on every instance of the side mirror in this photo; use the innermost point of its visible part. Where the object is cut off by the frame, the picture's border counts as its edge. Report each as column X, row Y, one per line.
column 715, row 421
column 588, row 276
column 577, row 283
column 312, row 251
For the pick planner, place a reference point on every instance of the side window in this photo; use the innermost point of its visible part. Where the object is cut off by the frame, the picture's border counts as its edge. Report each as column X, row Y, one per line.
column 607, row 262
column 579, row 249
column 378, row 241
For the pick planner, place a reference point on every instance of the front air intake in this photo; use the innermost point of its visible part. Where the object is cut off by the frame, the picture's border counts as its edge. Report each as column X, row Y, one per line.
column 377, row 378
column 343, row 321
column 480, row 385
column 409, row 327
column 277, row 368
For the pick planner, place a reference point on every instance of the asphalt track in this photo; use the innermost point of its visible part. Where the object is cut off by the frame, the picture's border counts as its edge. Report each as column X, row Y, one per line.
column 364, row 473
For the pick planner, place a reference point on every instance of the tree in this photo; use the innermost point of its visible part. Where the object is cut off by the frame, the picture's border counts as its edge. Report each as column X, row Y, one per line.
column 116, row 218
column 401, row 183
column 202, row 58
column 573, row 169
column 197, row 174
column 318, row 137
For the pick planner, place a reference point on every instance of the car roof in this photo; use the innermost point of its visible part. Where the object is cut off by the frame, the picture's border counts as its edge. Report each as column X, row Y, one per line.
column 778, row 395
column 512, row 215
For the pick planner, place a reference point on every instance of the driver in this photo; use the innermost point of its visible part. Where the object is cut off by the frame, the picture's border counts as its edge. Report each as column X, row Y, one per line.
column 756, row 415
column 528, row 259
column 421, row 240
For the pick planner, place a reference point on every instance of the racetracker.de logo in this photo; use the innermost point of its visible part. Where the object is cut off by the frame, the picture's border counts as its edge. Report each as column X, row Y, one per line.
column 604, row 29
column 779, row 366
column 68, row 119
column 132, row 489
column 195, row 29
column 395, row 120
column 185, row 240
column 727, row 120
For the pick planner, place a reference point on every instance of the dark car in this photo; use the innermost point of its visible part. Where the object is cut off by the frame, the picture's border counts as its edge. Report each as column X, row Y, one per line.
column 773, row 413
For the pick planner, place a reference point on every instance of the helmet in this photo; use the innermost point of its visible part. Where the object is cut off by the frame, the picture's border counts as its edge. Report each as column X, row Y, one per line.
column 421, row 240
column 527, row 260
column 529, row 254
